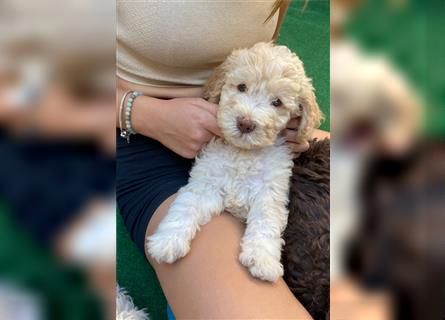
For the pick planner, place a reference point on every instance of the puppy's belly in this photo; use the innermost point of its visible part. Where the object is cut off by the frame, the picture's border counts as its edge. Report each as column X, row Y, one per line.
column 240, row 176
column 240, row 194
column 236, row 208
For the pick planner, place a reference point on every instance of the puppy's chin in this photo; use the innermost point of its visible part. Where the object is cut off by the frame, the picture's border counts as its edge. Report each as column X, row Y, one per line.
column 249, row 141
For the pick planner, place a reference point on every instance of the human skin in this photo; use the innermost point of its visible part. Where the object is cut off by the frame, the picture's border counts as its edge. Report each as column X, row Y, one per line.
column 210, row 283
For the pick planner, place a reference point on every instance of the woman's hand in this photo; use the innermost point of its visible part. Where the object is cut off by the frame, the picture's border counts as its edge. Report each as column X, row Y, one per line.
column 290, row 135
column 183, row 125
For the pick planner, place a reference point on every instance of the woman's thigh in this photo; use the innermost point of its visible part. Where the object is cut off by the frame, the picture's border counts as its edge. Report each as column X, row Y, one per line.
column 210, row 282
column 147, row 174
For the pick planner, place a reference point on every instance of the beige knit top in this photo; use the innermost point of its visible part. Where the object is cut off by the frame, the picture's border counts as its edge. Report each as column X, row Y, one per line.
column 177, row 44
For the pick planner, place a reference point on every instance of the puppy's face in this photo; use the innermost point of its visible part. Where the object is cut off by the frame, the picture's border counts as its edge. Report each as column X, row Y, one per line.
column 260, row 89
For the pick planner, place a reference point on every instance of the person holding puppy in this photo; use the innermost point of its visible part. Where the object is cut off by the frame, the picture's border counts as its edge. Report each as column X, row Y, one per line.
column 162, row 63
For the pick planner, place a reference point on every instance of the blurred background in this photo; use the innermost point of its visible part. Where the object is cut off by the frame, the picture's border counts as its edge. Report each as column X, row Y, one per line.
column 57, row 212
column 57, row 254
column 387, row 159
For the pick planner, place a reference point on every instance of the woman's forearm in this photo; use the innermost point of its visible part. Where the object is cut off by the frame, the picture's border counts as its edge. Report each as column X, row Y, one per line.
column 144, row 115
column 321, row 134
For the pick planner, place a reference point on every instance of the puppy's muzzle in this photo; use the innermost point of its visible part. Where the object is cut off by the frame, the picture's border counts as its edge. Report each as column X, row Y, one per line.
column 245, row 125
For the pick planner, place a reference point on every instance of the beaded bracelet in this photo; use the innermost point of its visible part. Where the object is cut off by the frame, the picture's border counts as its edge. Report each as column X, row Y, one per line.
column 128, row 131
column 121, row 108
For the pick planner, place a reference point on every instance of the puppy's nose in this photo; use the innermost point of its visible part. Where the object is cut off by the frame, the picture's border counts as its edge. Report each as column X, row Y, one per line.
column 245, row 125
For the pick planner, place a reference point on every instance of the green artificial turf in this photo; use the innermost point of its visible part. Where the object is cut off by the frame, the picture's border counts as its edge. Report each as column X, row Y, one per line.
column 136, row 275
column 307, row 34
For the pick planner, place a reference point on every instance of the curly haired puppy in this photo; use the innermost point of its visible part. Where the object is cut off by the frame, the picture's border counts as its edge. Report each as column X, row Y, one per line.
column 306, row 249
column 247, row 171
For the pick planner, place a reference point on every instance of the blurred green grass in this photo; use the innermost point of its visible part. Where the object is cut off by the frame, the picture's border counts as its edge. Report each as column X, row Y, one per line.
column 307, row 34
column 61, row 290
column 410, row 34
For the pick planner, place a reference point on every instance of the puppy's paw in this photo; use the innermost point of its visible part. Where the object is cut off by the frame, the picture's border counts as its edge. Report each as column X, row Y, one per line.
column 167, row 247
column 268, row 269
column 262, row 263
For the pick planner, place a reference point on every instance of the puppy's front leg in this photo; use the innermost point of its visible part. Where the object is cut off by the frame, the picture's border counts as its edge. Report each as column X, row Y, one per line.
column 262, row 242
column 195, row 205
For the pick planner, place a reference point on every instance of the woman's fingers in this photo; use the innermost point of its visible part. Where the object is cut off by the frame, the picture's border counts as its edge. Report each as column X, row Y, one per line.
column 214, row 129
column 210, row 112
column 298, row 148
column 290, row 135
column 291, row 131
column 207, row 106
column 294, row 123
column 211, row 125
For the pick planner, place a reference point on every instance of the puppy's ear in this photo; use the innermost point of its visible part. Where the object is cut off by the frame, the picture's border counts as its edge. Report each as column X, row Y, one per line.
column 213, row 86
column 311, row 115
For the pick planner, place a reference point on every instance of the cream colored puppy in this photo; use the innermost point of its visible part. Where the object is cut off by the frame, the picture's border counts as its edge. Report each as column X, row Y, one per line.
column 247, row 171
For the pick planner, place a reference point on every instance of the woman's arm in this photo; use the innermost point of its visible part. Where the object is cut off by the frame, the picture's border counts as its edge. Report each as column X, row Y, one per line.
column 181, row 124
column 291, row 136
column 321, row 134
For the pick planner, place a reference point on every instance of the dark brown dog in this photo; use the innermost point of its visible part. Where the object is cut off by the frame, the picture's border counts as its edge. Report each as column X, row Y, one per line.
column 306, row 252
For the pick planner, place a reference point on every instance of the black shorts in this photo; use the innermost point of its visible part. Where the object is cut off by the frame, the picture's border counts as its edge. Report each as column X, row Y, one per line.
column 147, row 173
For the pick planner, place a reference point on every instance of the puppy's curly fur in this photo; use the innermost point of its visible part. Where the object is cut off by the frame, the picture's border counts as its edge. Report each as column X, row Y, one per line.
column 125, row 308
column 247, row 170
column 306, row 251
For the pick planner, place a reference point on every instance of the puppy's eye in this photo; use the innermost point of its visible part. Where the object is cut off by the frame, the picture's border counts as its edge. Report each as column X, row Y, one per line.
column 277, row 103
column 242, row 87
